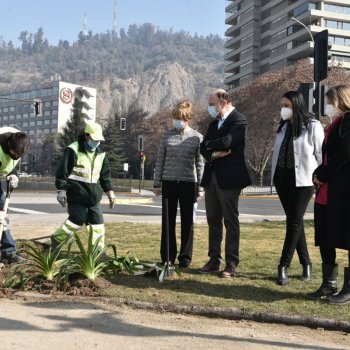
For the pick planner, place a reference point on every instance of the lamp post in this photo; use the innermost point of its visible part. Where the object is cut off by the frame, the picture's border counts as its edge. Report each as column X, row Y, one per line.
column 302, row 24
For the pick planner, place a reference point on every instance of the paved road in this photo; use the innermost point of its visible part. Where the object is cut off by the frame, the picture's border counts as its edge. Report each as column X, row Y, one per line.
column 148, row 209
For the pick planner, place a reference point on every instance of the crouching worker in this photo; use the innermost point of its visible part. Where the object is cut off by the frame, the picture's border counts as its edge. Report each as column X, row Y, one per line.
column 13, row 145
column 81, row 178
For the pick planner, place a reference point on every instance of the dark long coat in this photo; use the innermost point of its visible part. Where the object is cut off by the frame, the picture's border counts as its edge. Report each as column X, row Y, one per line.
column 336, row 232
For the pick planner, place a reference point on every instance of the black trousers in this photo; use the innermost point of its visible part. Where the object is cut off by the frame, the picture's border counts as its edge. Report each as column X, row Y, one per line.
column 222, row 205
column 294, row 201
column 183, row 193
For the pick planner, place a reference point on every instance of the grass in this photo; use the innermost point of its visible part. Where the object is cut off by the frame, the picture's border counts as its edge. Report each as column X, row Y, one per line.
column 253, row 290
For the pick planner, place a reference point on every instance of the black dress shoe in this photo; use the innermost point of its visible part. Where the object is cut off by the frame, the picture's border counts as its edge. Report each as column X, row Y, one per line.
column 183, row 264
column 209, row 267
column 282, row 275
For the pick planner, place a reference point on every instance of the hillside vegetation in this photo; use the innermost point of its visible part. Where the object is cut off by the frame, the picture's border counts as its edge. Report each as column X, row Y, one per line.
column 153, row 66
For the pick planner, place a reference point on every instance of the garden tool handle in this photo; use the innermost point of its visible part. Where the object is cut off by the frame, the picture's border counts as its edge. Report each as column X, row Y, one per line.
column 5, row 207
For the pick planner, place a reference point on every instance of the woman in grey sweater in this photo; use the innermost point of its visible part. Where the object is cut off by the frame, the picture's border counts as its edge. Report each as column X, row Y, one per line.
column 178, row 173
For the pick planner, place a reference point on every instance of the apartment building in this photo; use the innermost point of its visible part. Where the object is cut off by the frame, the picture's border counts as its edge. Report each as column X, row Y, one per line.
column 266, row 35
column 56, row 100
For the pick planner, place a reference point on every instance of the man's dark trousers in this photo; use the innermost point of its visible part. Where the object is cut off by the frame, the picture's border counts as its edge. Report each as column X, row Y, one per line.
column 222, row 203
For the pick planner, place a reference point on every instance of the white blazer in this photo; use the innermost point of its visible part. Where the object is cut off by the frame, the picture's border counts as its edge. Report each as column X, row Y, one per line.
column 307, row 152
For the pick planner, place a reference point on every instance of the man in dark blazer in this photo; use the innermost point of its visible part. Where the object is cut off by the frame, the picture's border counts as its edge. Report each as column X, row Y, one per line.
column 225, row 175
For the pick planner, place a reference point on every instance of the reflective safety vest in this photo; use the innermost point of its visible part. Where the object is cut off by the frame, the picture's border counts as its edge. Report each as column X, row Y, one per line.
column 88, row 165
column 7, row 163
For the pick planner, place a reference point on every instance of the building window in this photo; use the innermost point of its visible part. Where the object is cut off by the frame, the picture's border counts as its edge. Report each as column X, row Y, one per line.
column 5, row 117
column 12, row 109
column 25, row 115
column 12, row 117
column 39, row 122
column 47, row 122
column 5, row 109
column 54, row 112
column 32, row 124
column 25, row 124
column 47, row 114
column 54, row 122
column 31, row 132
column 47, row 104
column 54, row 103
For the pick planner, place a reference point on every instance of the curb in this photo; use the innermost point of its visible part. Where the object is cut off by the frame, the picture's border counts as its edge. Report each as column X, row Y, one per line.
column 195, row 310
column 129, row 201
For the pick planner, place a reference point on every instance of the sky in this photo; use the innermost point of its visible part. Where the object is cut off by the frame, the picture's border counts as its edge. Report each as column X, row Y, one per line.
column 63, row 19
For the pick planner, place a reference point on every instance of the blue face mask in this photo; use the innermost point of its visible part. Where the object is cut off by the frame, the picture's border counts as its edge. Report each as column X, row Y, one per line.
column 212, row 111
column 91, row 145
column 179, row 124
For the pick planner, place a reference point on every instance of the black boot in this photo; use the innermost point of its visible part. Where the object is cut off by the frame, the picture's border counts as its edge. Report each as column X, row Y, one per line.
column 329, row 282
column 282, row 275
column 343, row 297
column 306, row 275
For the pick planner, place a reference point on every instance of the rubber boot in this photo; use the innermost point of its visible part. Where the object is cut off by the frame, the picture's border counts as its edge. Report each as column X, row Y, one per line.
column 282, row 275
column 306, row 274
column 343, row 297
column 329, row 282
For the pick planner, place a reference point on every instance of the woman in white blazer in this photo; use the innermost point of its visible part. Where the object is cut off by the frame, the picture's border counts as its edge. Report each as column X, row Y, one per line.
column 297, row 153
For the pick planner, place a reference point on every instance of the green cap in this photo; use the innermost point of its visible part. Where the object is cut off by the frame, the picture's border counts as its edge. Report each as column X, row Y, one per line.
column 95, row 131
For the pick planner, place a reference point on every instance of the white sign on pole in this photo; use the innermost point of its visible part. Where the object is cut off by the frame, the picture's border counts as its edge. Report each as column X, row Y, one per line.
column 126, row 167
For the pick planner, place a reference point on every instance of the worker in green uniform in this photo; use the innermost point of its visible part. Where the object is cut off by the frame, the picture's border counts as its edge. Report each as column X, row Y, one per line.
column 13, row 145
column 81, row 178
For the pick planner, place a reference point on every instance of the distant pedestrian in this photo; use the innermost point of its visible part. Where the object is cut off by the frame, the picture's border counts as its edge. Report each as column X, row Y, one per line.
column 177, row 177
column 225, row 175
column 296, row 154
column 332, row 209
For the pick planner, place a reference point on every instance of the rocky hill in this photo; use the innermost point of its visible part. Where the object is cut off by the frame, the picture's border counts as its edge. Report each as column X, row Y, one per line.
column 144, row 66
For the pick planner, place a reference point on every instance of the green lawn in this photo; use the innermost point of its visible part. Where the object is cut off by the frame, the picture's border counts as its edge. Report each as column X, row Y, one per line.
column 254, row 289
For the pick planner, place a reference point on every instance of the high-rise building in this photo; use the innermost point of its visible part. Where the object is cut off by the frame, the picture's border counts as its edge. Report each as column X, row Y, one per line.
column 56, row 99
column 265, row 35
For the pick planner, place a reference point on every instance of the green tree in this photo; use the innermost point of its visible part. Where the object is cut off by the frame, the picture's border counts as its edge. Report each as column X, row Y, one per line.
column 74, row 127
column 113, row 145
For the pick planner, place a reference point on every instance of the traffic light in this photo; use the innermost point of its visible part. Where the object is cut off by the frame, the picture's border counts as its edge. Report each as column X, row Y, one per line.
column 37, row 108
column 318, row 94
column 321, row 57
column 122, row 123
column 86, row 101
column 140, row 142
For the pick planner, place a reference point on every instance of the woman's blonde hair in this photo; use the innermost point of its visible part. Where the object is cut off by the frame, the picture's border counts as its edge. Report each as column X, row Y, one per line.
column 339, row 97
column 183, row 111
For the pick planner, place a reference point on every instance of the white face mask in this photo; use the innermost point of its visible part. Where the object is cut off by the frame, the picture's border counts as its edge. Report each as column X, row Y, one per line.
column 331, row 111
column 286, row 113
column 179, row 124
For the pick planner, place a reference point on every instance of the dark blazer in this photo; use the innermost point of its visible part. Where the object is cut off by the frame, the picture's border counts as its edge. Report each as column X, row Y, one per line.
column 337, row 174
column 230, row 171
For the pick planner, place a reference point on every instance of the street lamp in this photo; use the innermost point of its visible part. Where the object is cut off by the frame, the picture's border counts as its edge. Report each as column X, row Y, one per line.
column 302, row 24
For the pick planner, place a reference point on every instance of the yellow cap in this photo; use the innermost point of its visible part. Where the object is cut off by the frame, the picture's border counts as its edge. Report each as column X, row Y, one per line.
column 95, row 131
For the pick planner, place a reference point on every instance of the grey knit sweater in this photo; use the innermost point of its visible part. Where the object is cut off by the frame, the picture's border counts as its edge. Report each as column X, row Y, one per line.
column 179, row 158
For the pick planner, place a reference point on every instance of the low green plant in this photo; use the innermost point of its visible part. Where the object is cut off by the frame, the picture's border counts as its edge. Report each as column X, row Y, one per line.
column 91, row 262
column 44, row 265
column 17, row 277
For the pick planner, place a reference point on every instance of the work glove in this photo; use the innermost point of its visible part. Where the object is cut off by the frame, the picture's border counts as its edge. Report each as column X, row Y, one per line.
column 62, row 197
column 13, row 180
column 111, row 197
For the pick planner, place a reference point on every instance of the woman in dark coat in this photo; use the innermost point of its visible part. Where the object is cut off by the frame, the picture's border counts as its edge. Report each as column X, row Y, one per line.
column 332, row 209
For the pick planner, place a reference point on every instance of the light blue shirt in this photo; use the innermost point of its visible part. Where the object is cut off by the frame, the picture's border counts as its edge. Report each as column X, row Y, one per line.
column 223, row 118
